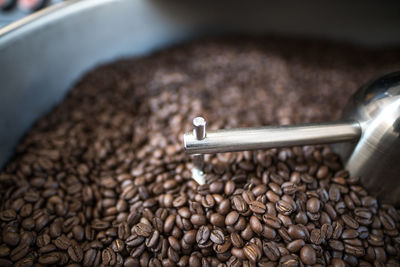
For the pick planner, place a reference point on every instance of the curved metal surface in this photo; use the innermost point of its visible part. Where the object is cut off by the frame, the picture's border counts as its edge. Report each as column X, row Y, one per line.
column 375, row 158
column 42, row 55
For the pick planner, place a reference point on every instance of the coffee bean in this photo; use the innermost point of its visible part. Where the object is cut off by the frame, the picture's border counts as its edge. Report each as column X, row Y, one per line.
column 257, row 207
column 89, row 257
column 271, row 251
column 179, row 201
column 143, row 229
column 217, row 236
column 50, row 258
column 75, row 252
column 297, row 232
column 284, row 207
column 316, row 236
column 19, row 252
column 198, row 219
column 252, row 252
column 190, row 237
column 349, row 221
column 326, row 230
column 268, row 232
column 354, row 250
column 62, row 242
column 274, row 198
column 289, row 188
column 47, row 249
column 334, row 193
column 349, row 234
column 295, row 245
column 217, row 220
column 272, row 221
column 236, row 240
column 43, row 240
column 239, row 204
column 7, row 215
column 336, row 245
column 256, row 225
column 11, row 238
column 308, row 255
column 337, row 230
column 4, row 251
column 385, row 219
column 313, row 205
column 231, row 218
column 203, row 234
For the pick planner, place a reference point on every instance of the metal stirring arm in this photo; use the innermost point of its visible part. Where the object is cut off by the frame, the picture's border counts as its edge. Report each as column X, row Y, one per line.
column 372, row 119
column 256, row 138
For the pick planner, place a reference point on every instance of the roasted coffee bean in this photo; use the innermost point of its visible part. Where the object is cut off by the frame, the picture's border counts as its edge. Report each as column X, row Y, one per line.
column 308, row 255
column 198, row 219
column 75, row 252
column 217, row 220
column 257, row 207
column 4, row 251
column 252, row 252
column 203, row 234
column 179, row 201
column 337, row 230
column 7, row 215
column 62, row 242
column 349, row 234
column 336, row 245
column 316, row 236
column 284, row 207
column 313, row 205
column 89, row 257
column 50, row 258
column 231, row 218
column 289, row 188
column 143, row 229
column 19, row 252
column 239, row 204
column 217, row 236
column 295, row 245
column 297, row 232
column 272, row 221
column 326, row 230
column 350, row 221
column 11, row 238
column 108, row 257
column 256, row 225
column 43, row 240
column 236, row 240
column 354, row 250
column 190, row 237
column 271, row 251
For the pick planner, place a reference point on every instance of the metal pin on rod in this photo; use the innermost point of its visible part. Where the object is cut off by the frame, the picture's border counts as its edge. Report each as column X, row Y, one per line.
column 199, row 133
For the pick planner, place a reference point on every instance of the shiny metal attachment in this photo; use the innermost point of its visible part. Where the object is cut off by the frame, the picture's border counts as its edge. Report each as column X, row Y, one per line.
column 368, row 139
column 199, row 133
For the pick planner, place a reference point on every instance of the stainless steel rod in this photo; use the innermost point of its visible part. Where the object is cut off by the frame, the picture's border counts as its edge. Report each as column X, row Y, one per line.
column 242, row 139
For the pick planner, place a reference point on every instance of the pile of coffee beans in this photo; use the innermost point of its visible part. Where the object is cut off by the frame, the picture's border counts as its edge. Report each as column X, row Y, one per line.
column 103, row 178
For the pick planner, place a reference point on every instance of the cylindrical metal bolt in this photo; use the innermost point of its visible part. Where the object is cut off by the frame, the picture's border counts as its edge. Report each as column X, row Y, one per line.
column 199, row 130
